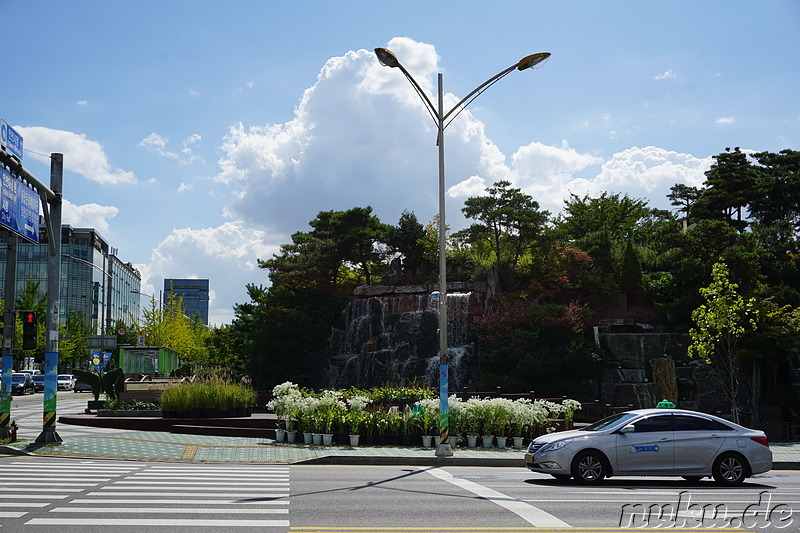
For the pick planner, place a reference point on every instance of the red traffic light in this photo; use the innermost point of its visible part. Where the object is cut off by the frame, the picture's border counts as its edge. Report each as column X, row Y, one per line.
column 30, row 317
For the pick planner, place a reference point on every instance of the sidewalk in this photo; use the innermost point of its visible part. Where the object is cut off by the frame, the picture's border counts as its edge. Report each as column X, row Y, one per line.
column 165, row 446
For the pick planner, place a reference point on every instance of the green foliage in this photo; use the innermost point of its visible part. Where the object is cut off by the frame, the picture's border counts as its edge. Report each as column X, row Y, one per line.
column 168, row 326
column 523, row 346
column 509, row 221
column 720, row 324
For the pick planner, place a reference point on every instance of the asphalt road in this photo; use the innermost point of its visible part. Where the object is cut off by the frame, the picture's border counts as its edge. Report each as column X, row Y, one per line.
column 49, row 494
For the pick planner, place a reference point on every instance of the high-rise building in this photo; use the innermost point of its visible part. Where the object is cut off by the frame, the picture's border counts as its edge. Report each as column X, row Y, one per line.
column 194, row 293
column 95, row 284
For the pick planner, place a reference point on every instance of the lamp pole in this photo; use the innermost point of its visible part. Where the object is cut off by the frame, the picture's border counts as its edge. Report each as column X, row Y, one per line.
column 388, row 59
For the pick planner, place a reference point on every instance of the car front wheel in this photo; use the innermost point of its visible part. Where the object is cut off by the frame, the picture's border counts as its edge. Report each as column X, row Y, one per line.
column 589, row 467
column 730, row 469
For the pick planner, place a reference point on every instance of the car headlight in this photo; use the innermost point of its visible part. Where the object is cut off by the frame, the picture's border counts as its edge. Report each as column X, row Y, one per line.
column 557, row 445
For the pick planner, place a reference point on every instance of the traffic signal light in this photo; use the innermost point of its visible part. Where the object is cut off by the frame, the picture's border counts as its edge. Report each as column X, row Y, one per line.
column 28, row 330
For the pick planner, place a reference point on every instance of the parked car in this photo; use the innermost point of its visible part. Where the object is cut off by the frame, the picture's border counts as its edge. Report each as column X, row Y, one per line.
column 65, row 381
column 653, row 442
column 22, row 384
column 38, row 381
column 80, row 386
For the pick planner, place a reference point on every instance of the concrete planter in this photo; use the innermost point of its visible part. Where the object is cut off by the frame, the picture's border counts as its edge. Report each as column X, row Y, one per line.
column 142, row 413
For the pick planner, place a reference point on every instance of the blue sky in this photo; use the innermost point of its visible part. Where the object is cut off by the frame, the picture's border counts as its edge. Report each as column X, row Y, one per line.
column 198, row 136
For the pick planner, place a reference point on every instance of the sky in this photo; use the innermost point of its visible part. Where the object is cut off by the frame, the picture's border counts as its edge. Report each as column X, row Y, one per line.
column 198, row 136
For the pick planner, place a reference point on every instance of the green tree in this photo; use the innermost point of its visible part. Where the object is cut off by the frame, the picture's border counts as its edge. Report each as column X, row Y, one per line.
column 169, row 327
column 720, row 325
column 407, row 239
column 683, row 197
column 728, row 190
column 509, row 222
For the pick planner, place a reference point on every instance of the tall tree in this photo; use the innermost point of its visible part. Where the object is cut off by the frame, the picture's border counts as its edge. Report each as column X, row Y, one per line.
column 509, row 221
column 683, row 197
column 777, row 198
column 729, row 188
column 720, row 325
column 407, row 239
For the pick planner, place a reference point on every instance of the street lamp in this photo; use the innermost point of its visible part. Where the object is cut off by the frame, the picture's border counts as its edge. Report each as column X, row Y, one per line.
column 388, row 59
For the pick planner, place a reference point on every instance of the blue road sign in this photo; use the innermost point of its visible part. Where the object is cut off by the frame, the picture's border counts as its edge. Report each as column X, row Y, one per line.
column 19, row 207
column 10, row 139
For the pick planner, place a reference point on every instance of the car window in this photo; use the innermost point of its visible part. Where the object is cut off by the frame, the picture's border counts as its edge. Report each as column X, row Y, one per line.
column 608, row 422
column 696, row 423
column 653, row 423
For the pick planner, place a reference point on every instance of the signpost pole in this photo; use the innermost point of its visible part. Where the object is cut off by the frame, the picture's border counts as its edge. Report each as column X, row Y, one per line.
column 8, row 335
column 48, row 434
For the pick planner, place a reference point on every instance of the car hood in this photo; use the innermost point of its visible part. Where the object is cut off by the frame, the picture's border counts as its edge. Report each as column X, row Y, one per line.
column 560, row 435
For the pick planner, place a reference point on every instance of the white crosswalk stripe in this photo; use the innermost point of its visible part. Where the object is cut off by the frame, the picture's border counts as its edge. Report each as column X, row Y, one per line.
column 189, row 496
column 38, row 483
column 143, row 495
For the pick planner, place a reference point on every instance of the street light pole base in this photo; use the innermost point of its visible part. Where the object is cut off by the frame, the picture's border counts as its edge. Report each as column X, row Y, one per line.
column 444, row 450
column 49, row 436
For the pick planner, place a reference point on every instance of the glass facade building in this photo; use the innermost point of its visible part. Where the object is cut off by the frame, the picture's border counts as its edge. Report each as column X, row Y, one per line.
column 194, row 293
column 95, row 283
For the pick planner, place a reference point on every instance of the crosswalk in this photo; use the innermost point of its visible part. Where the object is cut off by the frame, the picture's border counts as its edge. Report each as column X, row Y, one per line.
column 44, row 492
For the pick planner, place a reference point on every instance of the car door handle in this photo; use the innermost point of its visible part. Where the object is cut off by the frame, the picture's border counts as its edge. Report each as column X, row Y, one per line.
column 665, row 439
column 715, row 436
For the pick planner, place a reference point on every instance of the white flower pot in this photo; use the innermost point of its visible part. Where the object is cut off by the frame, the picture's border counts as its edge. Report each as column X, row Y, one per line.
column 487, row 441
column 518, row 442
column 317, row 439
column 427, row 440
column 308, row 438
column 290, row 435
column 280, row 434
column 472, row 440
column 501, row 442
column 354, row 440
column 327, row 439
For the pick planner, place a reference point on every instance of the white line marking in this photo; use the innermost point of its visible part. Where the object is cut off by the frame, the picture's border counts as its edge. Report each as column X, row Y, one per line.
column 257, row 501
column 159, row 522
column 16, row 504
column 12, row 515
column 207, row 484
column 193, row 495
column 529, row 513
column 172, row 510
column 157, row 488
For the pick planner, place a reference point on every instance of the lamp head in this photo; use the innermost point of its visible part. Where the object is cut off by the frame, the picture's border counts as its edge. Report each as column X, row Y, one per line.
column 534, row 61
column 387, row 58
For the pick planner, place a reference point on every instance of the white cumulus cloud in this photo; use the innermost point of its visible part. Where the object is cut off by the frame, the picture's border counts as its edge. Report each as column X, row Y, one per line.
column 227, row 255
column 81, row 155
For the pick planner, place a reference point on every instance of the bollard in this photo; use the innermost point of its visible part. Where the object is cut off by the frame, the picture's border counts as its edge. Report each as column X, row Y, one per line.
column 13, row 431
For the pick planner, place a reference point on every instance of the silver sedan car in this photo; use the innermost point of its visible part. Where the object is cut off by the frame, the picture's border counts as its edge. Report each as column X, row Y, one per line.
column 653, row 442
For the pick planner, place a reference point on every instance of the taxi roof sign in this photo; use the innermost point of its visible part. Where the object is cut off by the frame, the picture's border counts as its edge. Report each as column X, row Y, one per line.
column 665, row 404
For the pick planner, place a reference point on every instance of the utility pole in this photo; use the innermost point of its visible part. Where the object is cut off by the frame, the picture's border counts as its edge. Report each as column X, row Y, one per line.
column 9, row 321
column 48, row 434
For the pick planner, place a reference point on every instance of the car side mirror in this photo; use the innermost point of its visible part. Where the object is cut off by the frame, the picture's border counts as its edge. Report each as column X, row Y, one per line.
column 630, row 428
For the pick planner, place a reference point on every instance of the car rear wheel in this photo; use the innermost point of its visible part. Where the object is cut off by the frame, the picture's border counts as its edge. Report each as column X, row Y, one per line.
column 589, row 467
column 730, row 469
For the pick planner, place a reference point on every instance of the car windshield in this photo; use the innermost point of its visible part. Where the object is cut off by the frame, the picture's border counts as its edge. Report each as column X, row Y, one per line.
column 64, row 376
column 38, row 378
column 609, row 421
column 18, row 377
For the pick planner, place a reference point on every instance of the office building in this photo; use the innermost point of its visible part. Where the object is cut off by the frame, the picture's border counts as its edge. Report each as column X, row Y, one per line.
column 95, row 284
column 194, row 293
